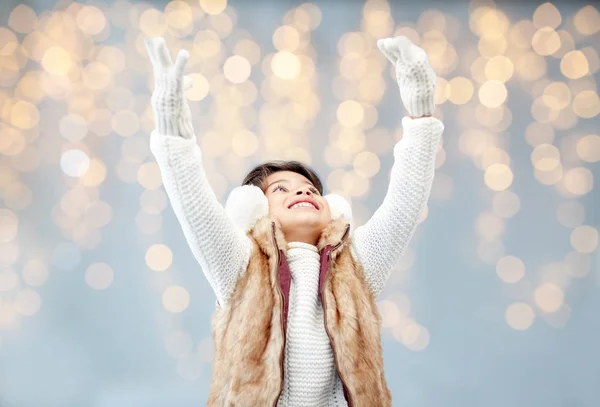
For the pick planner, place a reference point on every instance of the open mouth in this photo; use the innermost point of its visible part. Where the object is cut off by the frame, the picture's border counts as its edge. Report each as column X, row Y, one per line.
column 303, row 205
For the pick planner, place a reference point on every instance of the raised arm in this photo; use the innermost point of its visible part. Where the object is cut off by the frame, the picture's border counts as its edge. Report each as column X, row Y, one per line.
column 380, row 242
column 221, row 249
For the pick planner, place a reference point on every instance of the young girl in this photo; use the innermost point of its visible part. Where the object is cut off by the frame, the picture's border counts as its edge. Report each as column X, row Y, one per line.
column 296, row 323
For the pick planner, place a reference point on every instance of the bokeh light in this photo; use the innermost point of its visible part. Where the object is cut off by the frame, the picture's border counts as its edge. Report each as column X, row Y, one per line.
column 584, row 239
column 545, row 41
column 578, row 264
column 579, row 180
column 510, row 269
column 175, row 299
column 237, row 69
column 35, row 273
column 159, row 257
column 28, row 302
column 213, row 7
column 587, row 20
column 492, row 93
column 99, row 276
column 588, row 148
column 571, row 214
column 506, row 204
column 74, row 163
column 285, row 65
column 83, row 205
column 9, row 280
column 546, row 15
column 549, row 297
column 498, row 177
column 519, row 316
column 574, row 65
column 586, row 104
column 22, row 19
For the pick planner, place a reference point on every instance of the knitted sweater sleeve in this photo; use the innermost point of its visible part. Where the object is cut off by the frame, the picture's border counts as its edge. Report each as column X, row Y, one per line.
column 380, row 242
column 221, row 250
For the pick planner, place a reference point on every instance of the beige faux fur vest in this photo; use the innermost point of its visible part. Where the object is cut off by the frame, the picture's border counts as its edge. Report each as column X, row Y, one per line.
column 249, row 332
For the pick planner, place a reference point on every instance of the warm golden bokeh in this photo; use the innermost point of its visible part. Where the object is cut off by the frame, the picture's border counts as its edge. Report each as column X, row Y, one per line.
column 579, row 180
column 549, row 297
column 587, row 20
column 159, row 257
column 557, row 95
column 588, row 148
column 584, row 239
column 498, row 177
column 237, row 69
column 520, row 102
column 22, row 19
column 510, row 269
column 492, row 93
column 574, row 65
column 286, row 65
column 547, row 15
column 175, row 299
column 499, row 68
column 586, row 104
column 545, row 41
column 519, row 316
column 461, row 90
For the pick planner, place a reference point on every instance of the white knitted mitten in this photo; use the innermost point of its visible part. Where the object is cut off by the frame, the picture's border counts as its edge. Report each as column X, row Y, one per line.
column 171, row 111
column 416, row 78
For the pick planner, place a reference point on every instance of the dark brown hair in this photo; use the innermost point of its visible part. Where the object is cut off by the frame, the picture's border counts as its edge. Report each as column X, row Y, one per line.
column 258, row 176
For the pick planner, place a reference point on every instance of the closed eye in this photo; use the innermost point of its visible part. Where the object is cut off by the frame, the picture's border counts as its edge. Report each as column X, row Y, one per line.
column 279, row 186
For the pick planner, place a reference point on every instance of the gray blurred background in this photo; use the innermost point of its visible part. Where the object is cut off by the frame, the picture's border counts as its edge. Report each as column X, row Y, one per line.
column 494, row 303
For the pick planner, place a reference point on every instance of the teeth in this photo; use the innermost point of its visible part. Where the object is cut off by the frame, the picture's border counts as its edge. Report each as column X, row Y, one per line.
column 299, row 204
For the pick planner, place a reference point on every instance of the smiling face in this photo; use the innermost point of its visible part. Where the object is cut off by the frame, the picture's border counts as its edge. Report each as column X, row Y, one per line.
column 295, row 203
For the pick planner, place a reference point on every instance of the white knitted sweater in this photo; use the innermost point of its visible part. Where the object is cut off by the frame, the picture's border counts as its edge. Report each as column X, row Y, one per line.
column 310, row 378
